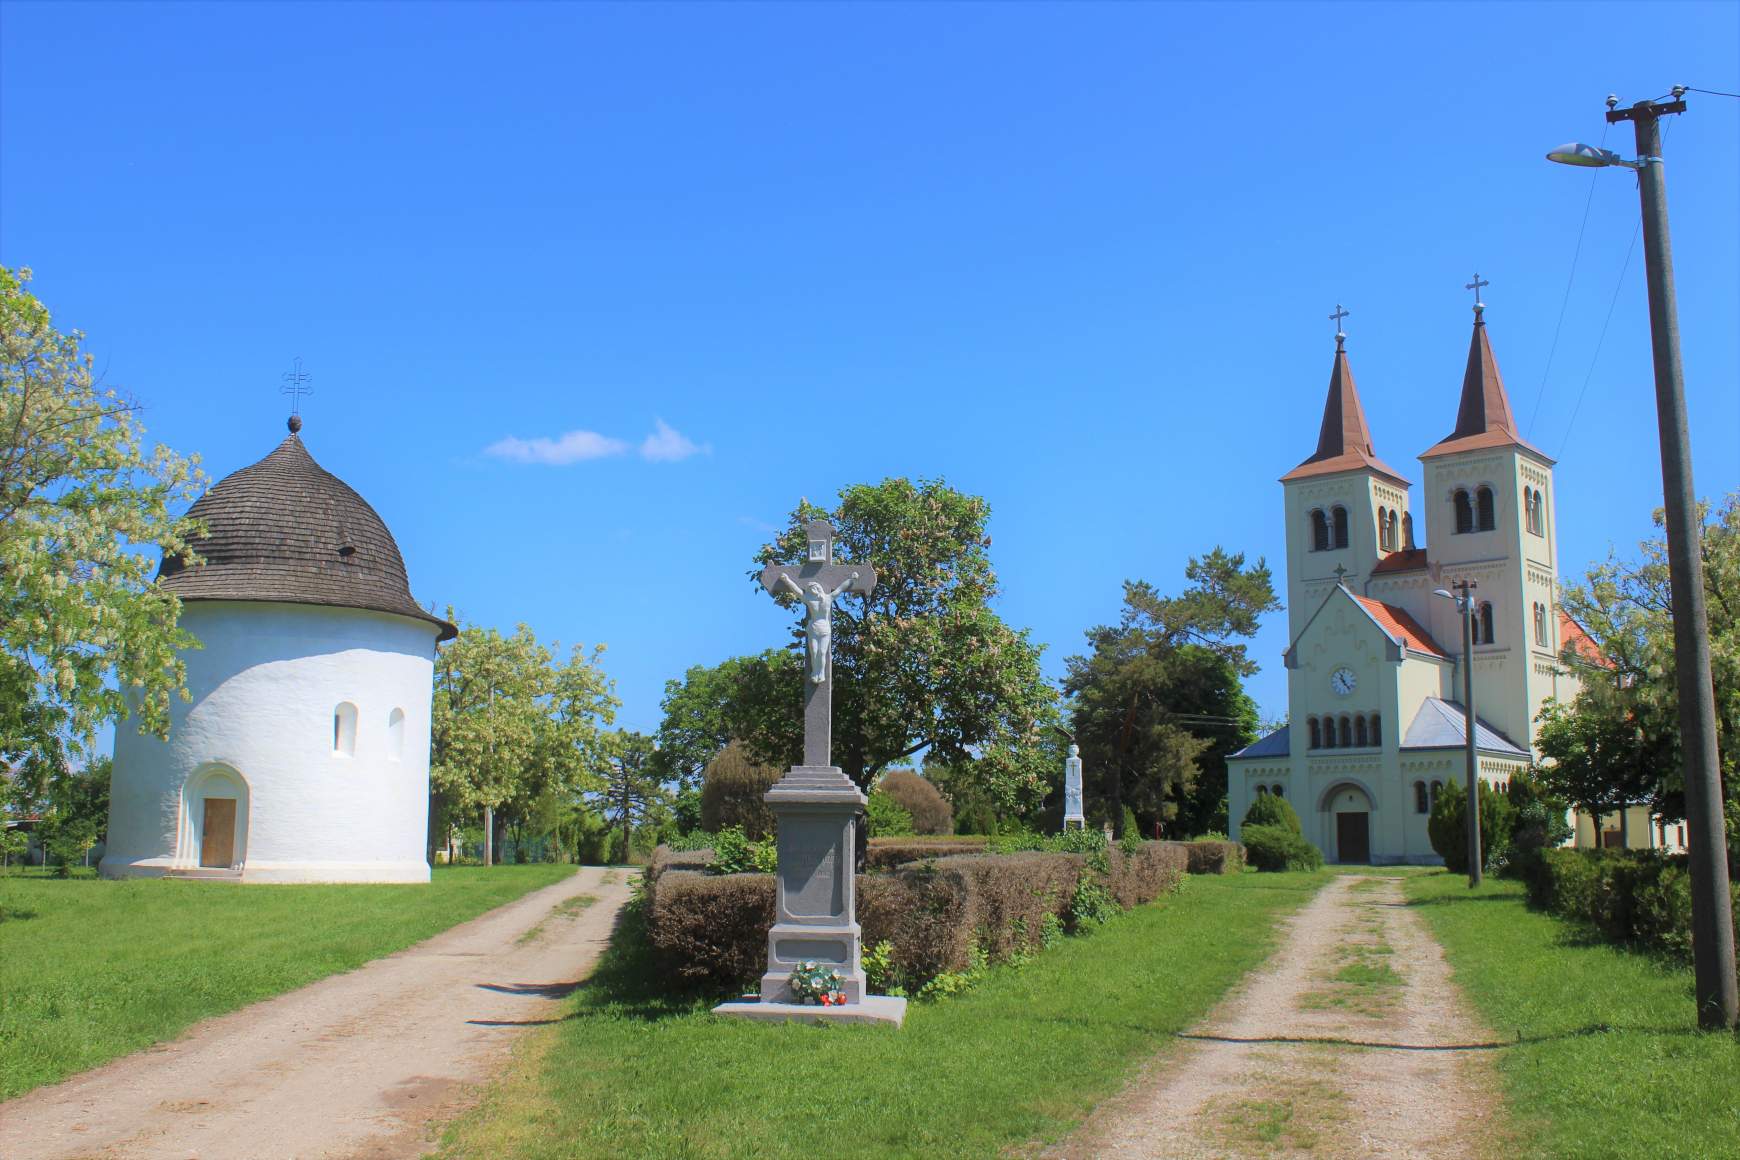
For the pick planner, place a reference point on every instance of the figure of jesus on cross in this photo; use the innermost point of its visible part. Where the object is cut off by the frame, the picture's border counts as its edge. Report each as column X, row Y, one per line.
column 818, row 582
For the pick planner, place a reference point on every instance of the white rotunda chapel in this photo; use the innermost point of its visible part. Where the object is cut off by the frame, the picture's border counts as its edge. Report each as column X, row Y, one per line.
column 303, row 753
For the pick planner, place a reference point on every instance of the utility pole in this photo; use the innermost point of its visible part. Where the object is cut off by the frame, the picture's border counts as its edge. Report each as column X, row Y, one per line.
column 1465, row 603
column 1718, row 995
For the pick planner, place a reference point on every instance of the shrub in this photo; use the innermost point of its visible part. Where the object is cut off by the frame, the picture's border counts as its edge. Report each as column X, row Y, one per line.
column 711, row 928
column 1639, row 898
column 731, row 793
column 1279, row 848
column 888, row 817
column 1128, row 824
column 887, row 853
column 1212, row 856
column 1448, row 827
column 929, row 809
column 1537, row 823
column 734, row 853
column 1271, row 809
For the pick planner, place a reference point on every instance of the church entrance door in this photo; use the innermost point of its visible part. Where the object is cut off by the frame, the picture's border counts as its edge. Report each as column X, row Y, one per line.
column 1353, row 837
column 217, row 835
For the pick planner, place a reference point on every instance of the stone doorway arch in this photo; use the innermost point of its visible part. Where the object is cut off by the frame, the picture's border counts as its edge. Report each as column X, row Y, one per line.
column 214, row 819
column 1347, row 808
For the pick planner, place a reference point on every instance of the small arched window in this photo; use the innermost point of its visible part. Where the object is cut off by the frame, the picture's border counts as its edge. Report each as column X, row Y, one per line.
column 1432, row 800
column 1408, row 531
column 1540, row 624
column 1384, row 529
column 1532, row 502
column 1339, row 520
column 344, row 729
column 1421, row 805
column 1464, row 510
column 1485, row 516
column 1262, row 790
column 1319, row 531
column 1395, row 531
column 1377, row 729
column 1277, row 790
column 1316, row 733
column 1360, row 738
column 1483, row 630
column 395, row 735
column 1346, row 732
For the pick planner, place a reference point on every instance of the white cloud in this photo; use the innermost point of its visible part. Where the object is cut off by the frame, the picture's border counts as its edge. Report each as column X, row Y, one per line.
column 667, row 445
column 572, row 447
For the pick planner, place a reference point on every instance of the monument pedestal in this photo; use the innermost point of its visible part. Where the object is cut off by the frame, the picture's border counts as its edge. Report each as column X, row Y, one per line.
column 815, row 920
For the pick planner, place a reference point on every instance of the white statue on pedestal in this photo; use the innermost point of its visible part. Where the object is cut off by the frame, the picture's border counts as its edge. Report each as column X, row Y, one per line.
column 819, row 632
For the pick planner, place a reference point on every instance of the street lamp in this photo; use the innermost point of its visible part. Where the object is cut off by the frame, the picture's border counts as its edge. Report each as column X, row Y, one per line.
column 1464, row 598
column 1718, row 994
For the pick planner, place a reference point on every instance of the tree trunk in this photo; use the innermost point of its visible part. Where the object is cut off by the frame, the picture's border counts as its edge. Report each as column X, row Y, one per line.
column 488, row 836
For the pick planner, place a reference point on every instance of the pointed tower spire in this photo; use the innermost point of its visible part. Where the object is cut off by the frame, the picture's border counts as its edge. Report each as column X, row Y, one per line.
column 1483, row 418
column 1344, row 441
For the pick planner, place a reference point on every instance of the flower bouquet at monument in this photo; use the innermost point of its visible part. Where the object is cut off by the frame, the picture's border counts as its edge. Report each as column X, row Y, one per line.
column 818, row 985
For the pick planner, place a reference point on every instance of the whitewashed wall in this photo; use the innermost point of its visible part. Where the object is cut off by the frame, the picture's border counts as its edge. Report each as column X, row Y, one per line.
column 264, row 690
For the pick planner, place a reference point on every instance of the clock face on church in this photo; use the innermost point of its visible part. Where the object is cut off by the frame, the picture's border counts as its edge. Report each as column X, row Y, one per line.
column 1343, row 681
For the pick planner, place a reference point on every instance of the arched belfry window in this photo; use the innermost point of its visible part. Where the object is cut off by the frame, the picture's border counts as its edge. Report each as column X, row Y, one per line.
column 1464, row 510
column 1408, row 531
column 1384, row 529
column 1485, row 516
column 1360, row 738
column 395, row 735
column 1278, row 790
column 1316, row 733
column 1540, row 624
column 1534, row 516
column 1377, row 729
column 1339, row 520
column 1319, row 531
column 1483, row 629
column 1421, row 804
column 1346, row 732
column 344, row 729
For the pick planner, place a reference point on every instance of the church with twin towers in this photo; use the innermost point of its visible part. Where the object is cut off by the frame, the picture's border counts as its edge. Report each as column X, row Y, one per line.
column 1375, row 716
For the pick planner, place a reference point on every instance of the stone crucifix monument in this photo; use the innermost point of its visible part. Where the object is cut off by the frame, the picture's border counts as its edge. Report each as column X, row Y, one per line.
column 1072, row 789
column 816, row 807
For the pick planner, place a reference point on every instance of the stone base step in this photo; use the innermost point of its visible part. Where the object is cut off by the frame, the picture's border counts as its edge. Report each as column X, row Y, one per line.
column 207, row 874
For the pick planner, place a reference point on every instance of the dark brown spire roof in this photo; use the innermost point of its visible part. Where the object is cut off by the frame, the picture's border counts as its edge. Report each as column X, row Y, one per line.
column 1484, row 418
column 1344, row 442
column 286, row 529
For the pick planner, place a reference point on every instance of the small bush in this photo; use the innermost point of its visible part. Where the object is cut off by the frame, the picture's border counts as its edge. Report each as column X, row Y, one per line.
column 888, row 818
column 731, row 793
column 929, row 809
column 1212, row 856
column 1271, row 809
column 734, row 853
column 1279, row 848
column 1537, row 824
column 1448, row 826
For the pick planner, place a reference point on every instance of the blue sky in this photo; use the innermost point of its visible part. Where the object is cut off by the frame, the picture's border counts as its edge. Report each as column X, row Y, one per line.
column 1076, row 258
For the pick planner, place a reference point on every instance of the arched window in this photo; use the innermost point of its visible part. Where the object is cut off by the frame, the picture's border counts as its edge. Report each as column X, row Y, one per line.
column 1532, row 511
column 1316, row 733
column 1483, row 630
column 1484, row 513
column 1319, row 531
column 1277, row 790
column 1384, row 530
column 344, row 729
column 1395, row 530
column 1346, row 731
column 1339, row 521
column 1360, row 738
column 1262, row 790
column 1421, row 805
column 1540, row 624
column 1408, row 531
column 1432, row 800
column 1377, row 729
column 1464, row 511
column 395, row 735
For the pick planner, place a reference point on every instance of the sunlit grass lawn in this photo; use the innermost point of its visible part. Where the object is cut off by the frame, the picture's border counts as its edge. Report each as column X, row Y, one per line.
column 90, row 970
column 1607, row 1061
column 634, row 1072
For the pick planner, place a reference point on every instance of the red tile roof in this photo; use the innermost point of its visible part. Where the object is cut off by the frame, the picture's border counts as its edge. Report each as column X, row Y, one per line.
column 1343, row 442
column 1483, row 419
column 1402, row 626
column 1574, row 637
column 1406, row 560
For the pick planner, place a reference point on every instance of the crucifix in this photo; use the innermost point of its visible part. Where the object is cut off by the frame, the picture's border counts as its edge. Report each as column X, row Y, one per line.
column 817, row 583
column 296, row 385
column 1340, row 335
column 1475, row 286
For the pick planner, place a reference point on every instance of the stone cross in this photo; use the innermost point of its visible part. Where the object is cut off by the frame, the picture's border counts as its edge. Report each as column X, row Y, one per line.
column 817, row 583
column 1072, row 811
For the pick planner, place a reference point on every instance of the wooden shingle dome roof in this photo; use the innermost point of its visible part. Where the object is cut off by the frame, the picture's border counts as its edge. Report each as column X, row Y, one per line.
column 287, row 530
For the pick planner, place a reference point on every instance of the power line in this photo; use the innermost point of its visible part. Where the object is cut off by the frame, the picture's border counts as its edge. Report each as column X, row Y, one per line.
column 1576, row 254
column 1710, row 92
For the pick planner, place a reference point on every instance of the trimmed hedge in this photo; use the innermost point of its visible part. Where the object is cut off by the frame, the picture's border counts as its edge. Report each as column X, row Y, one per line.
column 713, row 928
column 1279, row 848
column 887, row 853
column 1212, row 856
column 1636, row 897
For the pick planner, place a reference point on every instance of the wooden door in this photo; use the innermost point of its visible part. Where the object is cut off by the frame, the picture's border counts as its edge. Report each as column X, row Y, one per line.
column 217, row 835
column 1353, row 838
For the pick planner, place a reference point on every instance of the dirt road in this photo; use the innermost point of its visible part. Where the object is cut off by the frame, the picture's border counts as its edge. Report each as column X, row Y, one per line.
column 1351, row 1041
column 356, row 1065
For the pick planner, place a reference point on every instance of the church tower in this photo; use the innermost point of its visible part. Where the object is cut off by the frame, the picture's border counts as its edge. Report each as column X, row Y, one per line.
column 1489, row 518
column 1346, row 508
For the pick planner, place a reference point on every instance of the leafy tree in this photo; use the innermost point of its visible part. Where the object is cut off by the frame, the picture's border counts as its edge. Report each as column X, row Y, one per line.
column 631, row 796
column 759, row 695
column 86, row 635
column 1597, row 754
column 14, row 844
column 1159, row 698
column 923, row 663
column 928, row 809
column 1539, row 822
column 731, row 794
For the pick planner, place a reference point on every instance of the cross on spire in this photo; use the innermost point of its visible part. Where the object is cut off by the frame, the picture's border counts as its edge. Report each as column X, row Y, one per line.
column 1341, row 575
column 1475, row 286
column 1340, row 334
column 296, row 382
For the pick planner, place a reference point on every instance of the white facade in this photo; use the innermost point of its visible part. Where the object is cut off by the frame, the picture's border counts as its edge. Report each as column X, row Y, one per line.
column 314, row 722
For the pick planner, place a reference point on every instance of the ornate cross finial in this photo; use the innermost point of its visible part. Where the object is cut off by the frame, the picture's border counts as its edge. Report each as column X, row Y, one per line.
column 1475, row 286
column 1340, row 334
column 1340, row 575
column 296, row 382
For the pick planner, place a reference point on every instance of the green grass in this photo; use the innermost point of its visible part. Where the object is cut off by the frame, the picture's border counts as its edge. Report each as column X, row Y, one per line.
column 1607, row 1061
column 636, row 1072
column 90, row 970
